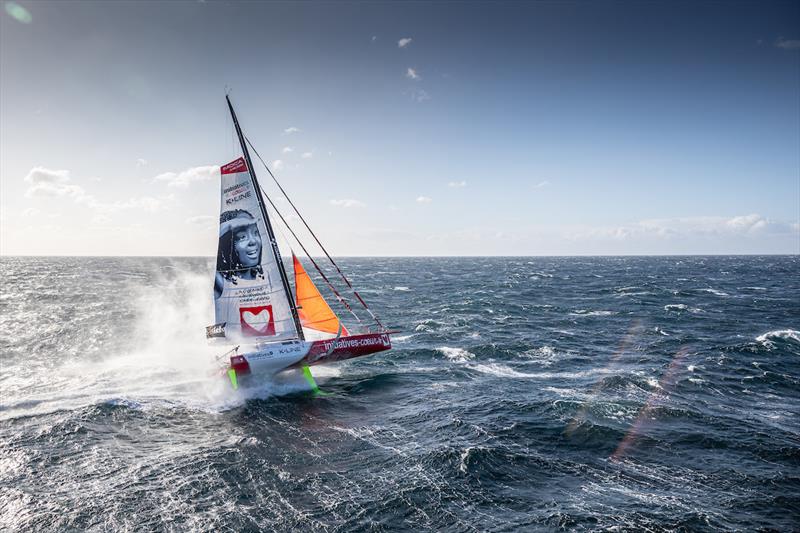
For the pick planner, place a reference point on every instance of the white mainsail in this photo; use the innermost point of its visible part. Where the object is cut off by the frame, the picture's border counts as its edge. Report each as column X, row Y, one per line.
column 250, row 298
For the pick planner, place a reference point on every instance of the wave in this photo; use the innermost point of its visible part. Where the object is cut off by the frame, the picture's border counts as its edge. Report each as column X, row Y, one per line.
column 768, row 339
column 714, row 292
column 456, row 354
column 682, row 307
column 585, row 312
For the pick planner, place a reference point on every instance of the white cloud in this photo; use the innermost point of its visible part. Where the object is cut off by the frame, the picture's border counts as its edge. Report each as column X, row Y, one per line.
column 188, row 176
column 45, row 175
column 290, row 130
column 348, row 202
column 457, row 184
column 424, row 200
column 681, row 228
column 47, row 182
column 31, row 212
column 145, row 203
column 412, row 73
column 277, row 164
column 420, row 95
column 746, row 223
column 141, row 162
column 541, row 184
column 287, row 150
column 788, row 44
column 405, row 41
column 201, row 220
column 307, row 155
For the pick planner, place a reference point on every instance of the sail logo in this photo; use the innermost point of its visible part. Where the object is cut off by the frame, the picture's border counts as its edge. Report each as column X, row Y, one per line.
column 257, row 321
column 234, row 166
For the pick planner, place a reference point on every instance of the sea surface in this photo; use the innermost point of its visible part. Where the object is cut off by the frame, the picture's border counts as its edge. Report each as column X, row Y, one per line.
column 522, row 394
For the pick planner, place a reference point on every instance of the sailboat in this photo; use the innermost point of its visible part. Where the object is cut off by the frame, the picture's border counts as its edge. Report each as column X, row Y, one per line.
column 274, row 327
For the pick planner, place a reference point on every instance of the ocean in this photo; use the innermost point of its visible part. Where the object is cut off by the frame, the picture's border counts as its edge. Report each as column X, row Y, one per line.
column 522, row 394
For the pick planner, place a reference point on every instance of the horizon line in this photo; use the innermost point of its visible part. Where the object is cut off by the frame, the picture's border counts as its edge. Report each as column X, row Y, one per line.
column 2, row 256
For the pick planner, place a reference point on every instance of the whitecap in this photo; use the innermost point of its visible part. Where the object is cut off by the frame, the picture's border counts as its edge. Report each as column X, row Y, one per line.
column 401, row 289
column 714, row 292
column 785, row 334
column 682, row 307
column 584, row 312
column 456, row 354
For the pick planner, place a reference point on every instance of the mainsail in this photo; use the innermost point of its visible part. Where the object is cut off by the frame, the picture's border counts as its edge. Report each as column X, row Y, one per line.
column 249, row 294
column 314, row 311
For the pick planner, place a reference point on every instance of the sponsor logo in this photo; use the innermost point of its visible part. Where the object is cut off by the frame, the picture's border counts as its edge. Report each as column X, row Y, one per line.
column 232, row 188
column 355, row 342
column 234, row 166
column 257, row 321
column 238, row 197
column 217, row 330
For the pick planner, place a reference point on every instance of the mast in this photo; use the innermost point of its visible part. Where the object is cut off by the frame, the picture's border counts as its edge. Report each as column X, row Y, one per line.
column 267, row 223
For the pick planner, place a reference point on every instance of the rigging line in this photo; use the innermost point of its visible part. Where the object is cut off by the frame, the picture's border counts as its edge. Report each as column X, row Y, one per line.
column 347, row 281
column 316, row 266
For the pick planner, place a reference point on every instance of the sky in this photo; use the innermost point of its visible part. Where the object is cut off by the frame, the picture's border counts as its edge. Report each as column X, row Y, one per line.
column 536, row 128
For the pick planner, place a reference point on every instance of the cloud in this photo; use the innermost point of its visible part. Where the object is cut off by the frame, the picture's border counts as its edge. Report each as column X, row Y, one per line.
column 541, row 184
column 680, row 228
column 420, row 95
column 31, row 212
column 424, row 200
column 457, row 184
column 348, row 202
column 145, row 203
column 290, row 130
column 45, row 175
column 788, row 44
column 277, row 164
column 374, row 38
column 47, row 182
column 141, row 162
column 189, row 176
column 201, row 220
column 307, row 155
column 412, row 73
column 287, row 149
column 405, row 41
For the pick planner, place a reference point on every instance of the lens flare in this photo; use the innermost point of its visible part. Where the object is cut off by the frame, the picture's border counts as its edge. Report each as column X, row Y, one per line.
column 19, row 13
column 633, row 333
column 668, row 379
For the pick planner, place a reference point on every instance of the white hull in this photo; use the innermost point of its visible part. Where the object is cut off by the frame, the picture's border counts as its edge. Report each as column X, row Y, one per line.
column 269, row 359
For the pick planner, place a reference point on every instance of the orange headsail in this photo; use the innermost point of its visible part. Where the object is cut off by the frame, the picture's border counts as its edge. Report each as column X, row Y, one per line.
column 314, row 311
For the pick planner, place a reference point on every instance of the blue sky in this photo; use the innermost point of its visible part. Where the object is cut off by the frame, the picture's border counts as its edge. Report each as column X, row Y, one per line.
column 405, row 128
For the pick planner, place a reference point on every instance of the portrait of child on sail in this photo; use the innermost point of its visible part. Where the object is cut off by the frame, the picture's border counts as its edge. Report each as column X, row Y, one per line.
column 239, row 253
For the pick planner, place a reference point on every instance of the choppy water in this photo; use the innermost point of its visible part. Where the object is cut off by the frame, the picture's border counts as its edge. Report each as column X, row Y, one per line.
column 522, row 394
